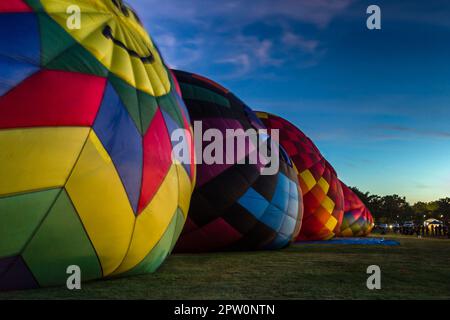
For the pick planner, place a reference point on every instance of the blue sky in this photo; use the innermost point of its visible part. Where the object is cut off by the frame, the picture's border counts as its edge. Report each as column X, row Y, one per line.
column 377, row 103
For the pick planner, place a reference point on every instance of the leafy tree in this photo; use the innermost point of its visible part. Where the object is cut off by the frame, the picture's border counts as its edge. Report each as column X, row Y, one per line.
column 395, row 208
column 443, row 208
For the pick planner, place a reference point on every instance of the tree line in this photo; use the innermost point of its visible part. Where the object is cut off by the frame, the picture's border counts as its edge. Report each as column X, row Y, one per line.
column 394, row 208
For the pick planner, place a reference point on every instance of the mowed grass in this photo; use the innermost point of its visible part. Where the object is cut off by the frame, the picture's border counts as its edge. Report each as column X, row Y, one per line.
column 417, row 269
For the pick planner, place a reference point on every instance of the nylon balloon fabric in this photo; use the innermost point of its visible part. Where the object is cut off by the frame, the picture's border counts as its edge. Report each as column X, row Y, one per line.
column 234, row 206
column 86, row 166
column 322, row 193
column 357, row 221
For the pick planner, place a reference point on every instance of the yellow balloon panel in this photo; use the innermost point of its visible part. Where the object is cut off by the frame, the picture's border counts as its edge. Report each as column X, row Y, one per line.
column 328, row 204
column 324, row 185
column 187, row 187
column 156, row 217
column 102, row 204
column 38, row 158
column 110, row 35
column 347, row 233
column 331, row 224
column 308, row 179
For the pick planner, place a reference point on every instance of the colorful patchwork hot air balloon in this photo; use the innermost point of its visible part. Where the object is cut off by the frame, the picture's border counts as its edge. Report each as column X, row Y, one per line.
column 322, row 193
column 357, row 221
column 87, row 176
column 234, row 206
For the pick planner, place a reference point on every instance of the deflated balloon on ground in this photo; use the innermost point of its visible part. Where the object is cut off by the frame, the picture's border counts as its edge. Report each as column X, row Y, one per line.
column 86, row 115
column 357, row 221
column 322, row 193
column 235, row 206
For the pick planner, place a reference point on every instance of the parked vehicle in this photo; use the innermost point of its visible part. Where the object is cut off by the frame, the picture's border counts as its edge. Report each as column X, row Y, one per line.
column 408, row 227
column 383, row 228
column 395, row 227
column 409, row 224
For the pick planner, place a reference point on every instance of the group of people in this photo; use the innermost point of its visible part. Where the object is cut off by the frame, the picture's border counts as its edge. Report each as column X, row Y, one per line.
column 426, row 231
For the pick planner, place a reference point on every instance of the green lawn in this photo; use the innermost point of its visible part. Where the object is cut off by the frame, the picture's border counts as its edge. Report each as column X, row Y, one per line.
column 418, row 269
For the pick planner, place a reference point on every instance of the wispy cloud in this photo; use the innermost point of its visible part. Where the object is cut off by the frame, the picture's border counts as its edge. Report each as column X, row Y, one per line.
column 241, row 65
column 317, row 12
column 294, row 40
column 416, row 131
column 192, row 33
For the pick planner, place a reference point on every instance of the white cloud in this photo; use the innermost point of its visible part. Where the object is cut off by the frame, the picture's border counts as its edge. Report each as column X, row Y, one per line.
column 241, row 66
column 179, row 52
column 167, row 40
column 317, row 12
column 196, row 32
column 298, row 41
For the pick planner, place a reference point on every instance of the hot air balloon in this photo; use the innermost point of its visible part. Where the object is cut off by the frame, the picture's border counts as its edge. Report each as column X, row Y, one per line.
column 235, row 206
column 322, row 193
column 87, row 173
column 357, row 221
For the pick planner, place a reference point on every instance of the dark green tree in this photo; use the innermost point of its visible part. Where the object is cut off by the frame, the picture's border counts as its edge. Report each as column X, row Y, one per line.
column 395, row 208
column 443, row 208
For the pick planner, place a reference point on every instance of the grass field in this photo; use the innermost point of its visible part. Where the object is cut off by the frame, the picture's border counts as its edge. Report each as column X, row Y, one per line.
column 417, row 269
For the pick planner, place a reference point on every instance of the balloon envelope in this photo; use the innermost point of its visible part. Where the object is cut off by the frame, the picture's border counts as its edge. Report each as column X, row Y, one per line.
column 234, row 206
column 322, row 193
column 86, row 116
column 357, row 221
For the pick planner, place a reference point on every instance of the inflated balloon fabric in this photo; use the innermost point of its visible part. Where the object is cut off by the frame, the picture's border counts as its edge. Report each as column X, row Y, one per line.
column 322, row 193
column 357, row 221
column 86, row 170
column 234, row 206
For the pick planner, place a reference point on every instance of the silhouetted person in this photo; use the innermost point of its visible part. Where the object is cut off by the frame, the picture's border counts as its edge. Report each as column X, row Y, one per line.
column 427, row 230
